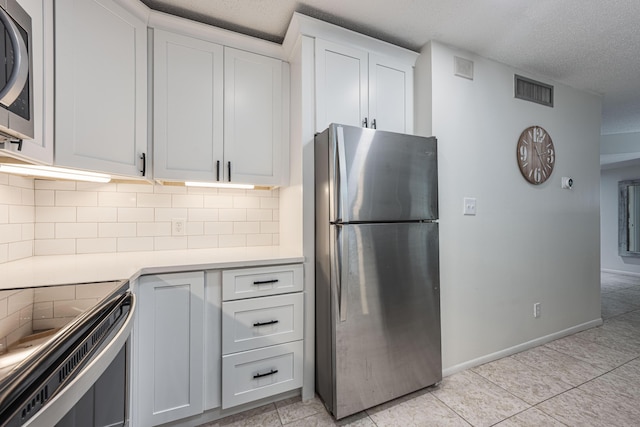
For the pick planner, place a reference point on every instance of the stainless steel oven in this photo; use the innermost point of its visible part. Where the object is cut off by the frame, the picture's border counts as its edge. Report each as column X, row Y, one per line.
column 16, row 86
column 65, row 356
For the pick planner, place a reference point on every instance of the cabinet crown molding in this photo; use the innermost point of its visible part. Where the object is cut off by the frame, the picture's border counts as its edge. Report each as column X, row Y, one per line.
column 305, row 25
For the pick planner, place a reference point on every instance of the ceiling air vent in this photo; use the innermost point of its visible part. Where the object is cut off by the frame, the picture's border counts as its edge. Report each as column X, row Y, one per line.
column 531, row 90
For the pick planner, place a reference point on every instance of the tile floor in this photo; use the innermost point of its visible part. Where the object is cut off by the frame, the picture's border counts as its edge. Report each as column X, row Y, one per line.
column 591, row 378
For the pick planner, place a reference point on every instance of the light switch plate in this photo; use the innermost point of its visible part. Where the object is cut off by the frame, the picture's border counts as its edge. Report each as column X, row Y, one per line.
column 469, row 206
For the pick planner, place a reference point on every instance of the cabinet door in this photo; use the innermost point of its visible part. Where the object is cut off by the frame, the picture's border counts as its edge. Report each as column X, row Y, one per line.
column 341, row 85
column 40, row 148
column 390, row 94
column 169, row 346
column 188, row 108
column 253, row 108
column 101, row 87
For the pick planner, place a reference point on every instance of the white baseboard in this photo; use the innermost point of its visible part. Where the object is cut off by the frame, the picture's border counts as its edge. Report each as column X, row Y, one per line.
column 625, row 273
column 520, row 347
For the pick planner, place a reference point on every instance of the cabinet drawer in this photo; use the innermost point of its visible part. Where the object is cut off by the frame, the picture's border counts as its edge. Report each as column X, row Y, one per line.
column 260, row 322
column 257, row 282
column 256, row 374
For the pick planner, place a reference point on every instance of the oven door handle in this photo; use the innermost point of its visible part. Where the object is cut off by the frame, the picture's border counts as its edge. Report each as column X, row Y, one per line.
column 63, row 402
column 18, row 77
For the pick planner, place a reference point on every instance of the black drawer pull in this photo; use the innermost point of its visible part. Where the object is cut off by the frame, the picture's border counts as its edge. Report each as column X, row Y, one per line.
column 266, row 374
column 265, row 282
column 271, row 322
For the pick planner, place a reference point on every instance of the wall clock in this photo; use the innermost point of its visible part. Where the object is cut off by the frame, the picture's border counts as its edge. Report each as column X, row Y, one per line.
column 536, row 155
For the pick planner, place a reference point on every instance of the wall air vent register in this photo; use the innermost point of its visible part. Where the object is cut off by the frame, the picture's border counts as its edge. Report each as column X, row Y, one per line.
column 534, row 91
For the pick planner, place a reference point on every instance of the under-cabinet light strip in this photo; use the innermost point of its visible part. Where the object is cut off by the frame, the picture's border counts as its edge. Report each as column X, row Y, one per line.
column 219, row 185
column 53, row 172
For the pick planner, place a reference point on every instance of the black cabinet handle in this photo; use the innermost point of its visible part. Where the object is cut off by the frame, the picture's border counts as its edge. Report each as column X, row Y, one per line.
column 365, row 123
column 229, row 169
column 144, row 164
column 19, row 142
column 218, row 170
column 266, row 374
column 270, row 322
column 265, row 282
column 373, row 124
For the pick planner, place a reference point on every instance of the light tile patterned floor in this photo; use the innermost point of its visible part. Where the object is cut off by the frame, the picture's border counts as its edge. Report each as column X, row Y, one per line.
column 588, row 379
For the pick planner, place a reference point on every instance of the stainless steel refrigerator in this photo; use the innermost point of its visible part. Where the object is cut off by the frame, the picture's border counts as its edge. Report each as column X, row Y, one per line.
column 377, row 273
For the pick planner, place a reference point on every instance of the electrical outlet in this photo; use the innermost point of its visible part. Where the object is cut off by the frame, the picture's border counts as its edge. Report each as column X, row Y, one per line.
column 178, row 227
column 536, row 310
column 469, row 206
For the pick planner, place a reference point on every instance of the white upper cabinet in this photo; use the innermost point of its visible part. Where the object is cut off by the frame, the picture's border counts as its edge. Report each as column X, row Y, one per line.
column 253, row 118
column 101, row 87
column 188, row 108
column 219, row 112
column 358, row 88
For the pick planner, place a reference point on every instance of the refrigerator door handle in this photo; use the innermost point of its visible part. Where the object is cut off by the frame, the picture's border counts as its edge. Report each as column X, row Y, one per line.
column 343, row 267
column 342, row 176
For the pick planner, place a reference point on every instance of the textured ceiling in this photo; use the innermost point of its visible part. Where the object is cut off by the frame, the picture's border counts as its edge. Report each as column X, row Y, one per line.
column 592, row 45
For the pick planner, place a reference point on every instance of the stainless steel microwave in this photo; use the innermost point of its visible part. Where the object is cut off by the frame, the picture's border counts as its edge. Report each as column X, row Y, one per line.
column 16, row 86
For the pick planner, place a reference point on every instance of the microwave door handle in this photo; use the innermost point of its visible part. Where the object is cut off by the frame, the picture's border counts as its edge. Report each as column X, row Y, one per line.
column 20, row 71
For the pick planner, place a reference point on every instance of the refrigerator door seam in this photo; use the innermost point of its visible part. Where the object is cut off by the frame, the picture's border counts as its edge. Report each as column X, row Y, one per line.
column 342, row 175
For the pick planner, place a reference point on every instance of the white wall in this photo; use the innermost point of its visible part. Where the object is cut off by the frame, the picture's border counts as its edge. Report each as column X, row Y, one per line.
column 609, row 220
column 527, row 243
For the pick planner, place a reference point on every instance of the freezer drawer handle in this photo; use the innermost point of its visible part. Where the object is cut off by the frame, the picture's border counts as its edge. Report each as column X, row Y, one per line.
column 271, row 322
column 265, row 282
column 266, row 374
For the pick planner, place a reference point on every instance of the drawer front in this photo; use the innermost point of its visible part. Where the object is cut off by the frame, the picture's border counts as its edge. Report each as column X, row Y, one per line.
column 259, row 322
column 262, row 281
column 261, row 373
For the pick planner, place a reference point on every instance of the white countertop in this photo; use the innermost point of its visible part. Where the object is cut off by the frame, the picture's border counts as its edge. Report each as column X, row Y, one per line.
column 70, row 269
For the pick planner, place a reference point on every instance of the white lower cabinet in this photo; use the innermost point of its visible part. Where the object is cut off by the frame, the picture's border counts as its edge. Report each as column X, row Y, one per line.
column 255, row 374
column 169, row 343
column 262, row 336
column 193, row 351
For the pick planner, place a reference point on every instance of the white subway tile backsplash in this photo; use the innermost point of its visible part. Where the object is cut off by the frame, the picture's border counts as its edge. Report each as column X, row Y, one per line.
column 259, row 240
column 153, row 229
column 212, row 228
column 10, row 233
column 76, row 198
column 45, row 230
column 187, row 200
column 4, row 214
column 170, row 243
column 195, row 228
column 76, row 230
column 19, row 300
column 96, row 246
column 202, row 242
column 43, row 310
column 123, row 200
column 154, row 200
column 232, row 214
column 232, row 240
column 167, row 214
column 246, row 227
column 259, row 214
column 20, row 214
column 55, row 214
column 218, row 201
column 40, row 217
column 202, row 215
column 54, row 247
column 90, row 214
column 117, row 229
column 267, row 227
column 133, row 244
column 19, row 250
column 135, row 214
column 246, row 202
column 269, row 203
